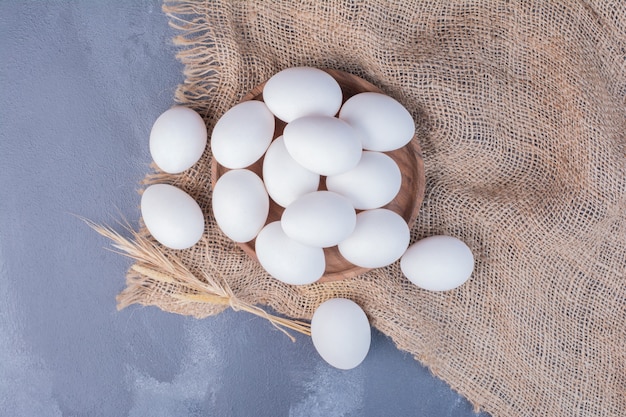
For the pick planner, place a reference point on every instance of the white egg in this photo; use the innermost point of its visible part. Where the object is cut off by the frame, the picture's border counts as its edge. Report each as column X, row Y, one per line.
column 341, row 333
column 374, row 182
column 285, row 179
column 240, row 204
column 287, row 260
column 320, row 218
column 172, row 216
column 438, row 263
column 322, row 144
column 383, row 123
column 177, row 139
column 241, row 136
column 380, row 238
column 302, row 91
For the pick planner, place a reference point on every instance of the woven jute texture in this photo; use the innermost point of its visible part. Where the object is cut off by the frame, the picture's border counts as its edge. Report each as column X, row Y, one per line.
column 521, row 116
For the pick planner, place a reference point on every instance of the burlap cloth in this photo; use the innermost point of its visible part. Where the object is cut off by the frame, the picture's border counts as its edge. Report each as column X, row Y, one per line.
column 521, row 116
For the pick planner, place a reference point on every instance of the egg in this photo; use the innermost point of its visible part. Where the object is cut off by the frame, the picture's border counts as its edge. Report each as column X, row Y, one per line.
column 287, row 260
column 302, row 91
column 372, row 183
column 341, row 333
column 383, row 123
column 177, row 139
column 172, row 216
column 242, row 135
column 438, row 263
column 240, row 204
column 285, row 179
column 380, row 238
column 320, row 218
column 322, row 144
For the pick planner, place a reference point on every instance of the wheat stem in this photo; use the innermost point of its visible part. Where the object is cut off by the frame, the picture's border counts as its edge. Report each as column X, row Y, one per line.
column 152, row 263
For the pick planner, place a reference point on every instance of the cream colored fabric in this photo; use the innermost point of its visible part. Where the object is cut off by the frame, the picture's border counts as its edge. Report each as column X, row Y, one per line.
column 521, row 115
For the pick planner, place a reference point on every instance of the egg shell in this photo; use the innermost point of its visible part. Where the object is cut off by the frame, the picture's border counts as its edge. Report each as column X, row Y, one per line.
column 302, row 91
column 172, row 216
column 287, row 260
column 240, row 204
column 341, row 333
column 438, row 263
column 372, row 183
column 382, row 122
column 242, row 135
column 285, row 179
column 177, row 139
column 380, row 238
column 320, row 218
column 322, row 144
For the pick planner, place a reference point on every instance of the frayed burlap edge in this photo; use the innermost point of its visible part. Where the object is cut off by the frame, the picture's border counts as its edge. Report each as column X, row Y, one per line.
column 210, row 93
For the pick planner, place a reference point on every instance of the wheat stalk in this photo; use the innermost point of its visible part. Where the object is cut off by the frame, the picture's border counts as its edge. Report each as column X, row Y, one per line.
column 151, row 262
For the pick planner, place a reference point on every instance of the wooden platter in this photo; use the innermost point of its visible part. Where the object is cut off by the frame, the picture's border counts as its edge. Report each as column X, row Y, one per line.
column 407, row 203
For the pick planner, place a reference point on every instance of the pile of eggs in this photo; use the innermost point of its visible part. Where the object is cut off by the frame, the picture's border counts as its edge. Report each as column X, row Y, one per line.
column 324, row 141
column 328, row 172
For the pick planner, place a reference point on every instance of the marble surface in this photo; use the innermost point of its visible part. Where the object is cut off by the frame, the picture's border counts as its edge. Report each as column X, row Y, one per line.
column 82, row 83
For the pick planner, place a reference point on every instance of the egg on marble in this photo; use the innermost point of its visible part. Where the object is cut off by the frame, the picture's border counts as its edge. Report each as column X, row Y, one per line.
column 172, row 216
column 341, row 333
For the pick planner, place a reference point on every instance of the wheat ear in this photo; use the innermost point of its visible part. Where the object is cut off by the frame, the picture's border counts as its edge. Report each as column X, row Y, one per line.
column 152, row 263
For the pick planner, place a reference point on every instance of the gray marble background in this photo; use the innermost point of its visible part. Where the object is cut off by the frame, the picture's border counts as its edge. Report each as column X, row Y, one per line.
column 82, row 82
